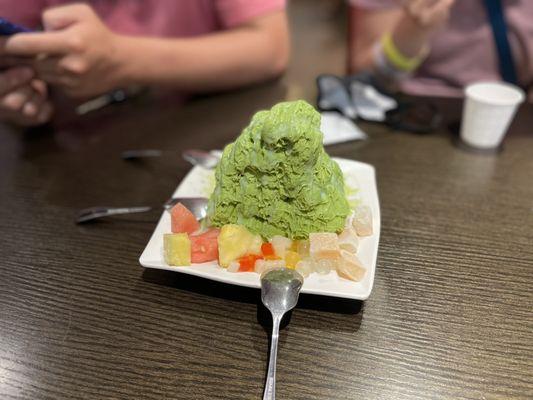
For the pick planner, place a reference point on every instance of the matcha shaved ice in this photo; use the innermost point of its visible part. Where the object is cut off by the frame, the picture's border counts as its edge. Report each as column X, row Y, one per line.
column 276, row 178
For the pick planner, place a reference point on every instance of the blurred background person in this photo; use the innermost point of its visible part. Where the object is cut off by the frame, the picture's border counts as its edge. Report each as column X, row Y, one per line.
column 437, row 47
column 89, row 49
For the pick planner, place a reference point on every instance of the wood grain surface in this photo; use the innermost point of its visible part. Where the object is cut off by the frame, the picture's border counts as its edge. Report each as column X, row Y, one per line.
column 450, row 316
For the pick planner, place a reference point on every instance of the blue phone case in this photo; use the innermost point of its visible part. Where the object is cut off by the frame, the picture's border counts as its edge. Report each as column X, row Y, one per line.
column 8, row 28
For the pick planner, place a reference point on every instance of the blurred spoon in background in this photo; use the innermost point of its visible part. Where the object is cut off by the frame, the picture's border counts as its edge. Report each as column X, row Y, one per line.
column 203, row 158
column 197, row 205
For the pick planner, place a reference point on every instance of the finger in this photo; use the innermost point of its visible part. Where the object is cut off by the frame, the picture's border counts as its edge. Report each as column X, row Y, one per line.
column 12, row 61
column 61, row 17
column 13, row 78
column 45, row 113
column 33, row 106
column 70, row 64
column 47, row 65
column 33, row 44
column 40, row 87
column 38, row 98
column 14, row 101
column 63, row 80
column 49, row 70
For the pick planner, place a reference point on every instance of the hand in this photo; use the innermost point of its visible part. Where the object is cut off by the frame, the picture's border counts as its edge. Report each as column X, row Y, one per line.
column 23, row 99
column 428, row 15
column 76, row 53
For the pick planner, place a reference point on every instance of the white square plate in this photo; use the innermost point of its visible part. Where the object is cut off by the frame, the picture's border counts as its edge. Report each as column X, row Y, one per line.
column 199, row 182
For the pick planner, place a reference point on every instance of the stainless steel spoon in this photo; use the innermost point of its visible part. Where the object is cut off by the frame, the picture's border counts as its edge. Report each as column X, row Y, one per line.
column 203, row 158
column 132, row 155
column 280, row 289
column 197, row 205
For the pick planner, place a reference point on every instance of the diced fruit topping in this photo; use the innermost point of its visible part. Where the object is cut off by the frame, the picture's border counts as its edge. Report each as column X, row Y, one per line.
column 236, row 241
column 247, row 262
column 362, row 221
column 177, row 249
column 350, row 267
column 266, row 265
column 239, row 250
column 204, row 247
column 324, row 265
column 280, row 244
column 182, row 220
column 233, row 266
column 302, row 248
column 348, row 240
column 291, row 259
column 267, row 249
column 255, row 244
column 304, row 267
column 324, row 245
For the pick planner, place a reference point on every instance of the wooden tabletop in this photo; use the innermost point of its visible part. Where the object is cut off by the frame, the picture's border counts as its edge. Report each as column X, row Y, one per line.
column 450, row 315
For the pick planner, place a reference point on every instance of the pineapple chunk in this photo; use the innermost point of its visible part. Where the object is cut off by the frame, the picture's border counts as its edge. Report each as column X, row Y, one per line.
column 177, row 249
column 324, row 245
column 235, row 241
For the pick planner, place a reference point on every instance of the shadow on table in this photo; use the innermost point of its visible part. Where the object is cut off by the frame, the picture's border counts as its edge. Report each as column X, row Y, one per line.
column 345, row 309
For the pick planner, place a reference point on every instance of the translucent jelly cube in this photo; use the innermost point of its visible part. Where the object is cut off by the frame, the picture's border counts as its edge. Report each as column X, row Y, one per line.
column 303, row 248
column 350, row 267
column 233, row 266
column 362, row 221
column 324, row 265
column 266, row 265
column 281, row 244
column 304, row 267
column 324, row 245
column 348, row 240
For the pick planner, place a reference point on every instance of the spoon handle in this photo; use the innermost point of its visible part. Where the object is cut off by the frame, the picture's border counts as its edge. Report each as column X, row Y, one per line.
column 270, row 386
column 88, row 214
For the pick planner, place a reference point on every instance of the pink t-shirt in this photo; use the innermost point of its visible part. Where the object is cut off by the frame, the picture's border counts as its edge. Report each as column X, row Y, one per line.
column 163, row 18
column 464, row 51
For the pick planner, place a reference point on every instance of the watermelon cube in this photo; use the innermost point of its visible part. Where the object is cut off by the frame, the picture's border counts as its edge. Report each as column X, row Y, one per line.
column 183, row 221
column 204, row 247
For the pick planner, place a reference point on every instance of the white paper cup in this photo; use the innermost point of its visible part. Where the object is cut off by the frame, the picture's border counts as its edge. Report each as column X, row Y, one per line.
column 488, row 111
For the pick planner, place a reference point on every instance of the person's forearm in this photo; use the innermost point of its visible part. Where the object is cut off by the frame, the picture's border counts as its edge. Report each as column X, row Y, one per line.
column 213, row 62
column 410, row 39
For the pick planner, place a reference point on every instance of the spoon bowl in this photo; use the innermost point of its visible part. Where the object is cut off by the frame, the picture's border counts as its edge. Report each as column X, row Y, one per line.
column 280, row 289
column 202, row 158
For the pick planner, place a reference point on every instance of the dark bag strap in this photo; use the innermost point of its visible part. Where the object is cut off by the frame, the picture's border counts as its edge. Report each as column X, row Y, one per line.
column 501, row 39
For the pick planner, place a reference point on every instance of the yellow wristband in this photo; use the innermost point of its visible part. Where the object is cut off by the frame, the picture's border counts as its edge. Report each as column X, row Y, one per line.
column 396, row 58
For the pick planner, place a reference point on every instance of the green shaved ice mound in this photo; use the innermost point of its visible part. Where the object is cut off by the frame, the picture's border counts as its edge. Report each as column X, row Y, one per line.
column 276, row 178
